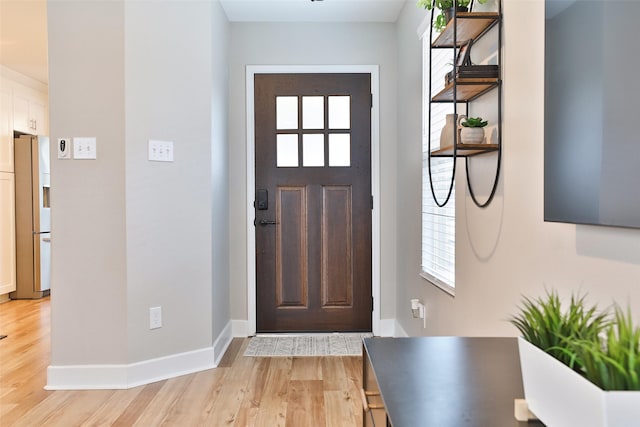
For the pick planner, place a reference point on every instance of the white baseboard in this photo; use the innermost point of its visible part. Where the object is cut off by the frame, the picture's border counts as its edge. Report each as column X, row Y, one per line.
column 100, row 377
column 221, row 343
column 86, row 377
column 162, row 368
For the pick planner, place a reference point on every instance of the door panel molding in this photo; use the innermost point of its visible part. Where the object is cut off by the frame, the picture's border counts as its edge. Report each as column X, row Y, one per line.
column 337, row 248
column 291, row 214
column 373, row 70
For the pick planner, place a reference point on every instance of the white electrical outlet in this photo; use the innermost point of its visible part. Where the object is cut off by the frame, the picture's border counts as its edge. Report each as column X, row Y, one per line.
column 155, row 317
column 419, row 311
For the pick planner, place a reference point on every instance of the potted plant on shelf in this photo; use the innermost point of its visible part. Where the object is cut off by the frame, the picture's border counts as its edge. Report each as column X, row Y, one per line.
column 579, row 367
column 446, row 8
column 472, row 131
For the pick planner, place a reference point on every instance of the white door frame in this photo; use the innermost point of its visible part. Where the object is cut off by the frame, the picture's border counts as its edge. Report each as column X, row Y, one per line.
column 251, row 70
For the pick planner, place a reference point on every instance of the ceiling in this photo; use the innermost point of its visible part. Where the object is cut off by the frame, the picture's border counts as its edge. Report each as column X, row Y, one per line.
column 23, row 23
column 23, row 37
column 312, row 11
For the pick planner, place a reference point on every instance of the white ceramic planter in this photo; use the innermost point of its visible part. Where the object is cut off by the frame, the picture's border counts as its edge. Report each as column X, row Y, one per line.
column 560, row 397
column 471, row 135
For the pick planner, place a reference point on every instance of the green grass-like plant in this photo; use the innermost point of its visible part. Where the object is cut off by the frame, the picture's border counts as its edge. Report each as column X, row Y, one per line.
column 611, row 362
column 544, row 324
column 604, row 348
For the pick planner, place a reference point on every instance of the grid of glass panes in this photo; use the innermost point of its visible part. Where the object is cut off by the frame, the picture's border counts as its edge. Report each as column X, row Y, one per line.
column 438, row 223
column 315, row 131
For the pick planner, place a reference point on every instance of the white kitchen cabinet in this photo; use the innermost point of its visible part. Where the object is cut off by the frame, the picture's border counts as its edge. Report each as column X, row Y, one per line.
column 6, row 131
column 29, row 114
column 7, row 233
column 37, row 112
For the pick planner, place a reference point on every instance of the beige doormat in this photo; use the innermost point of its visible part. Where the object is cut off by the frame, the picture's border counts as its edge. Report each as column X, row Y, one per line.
column 306, row 345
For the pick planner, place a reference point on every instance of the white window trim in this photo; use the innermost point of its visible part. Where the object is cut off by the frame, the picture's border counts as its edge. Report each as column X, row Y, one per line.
column 438, row 283
column 378, row 326
column 423, row 31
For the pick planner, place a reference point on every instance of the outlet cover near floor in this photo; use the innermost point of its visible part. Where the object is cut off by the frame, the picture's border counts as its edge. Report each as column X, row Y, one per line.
column 155, row 317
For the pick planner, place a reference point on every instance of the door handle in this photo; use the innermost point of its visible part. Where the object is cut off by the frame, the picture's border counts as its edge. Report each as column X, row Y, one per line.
column 267, row 222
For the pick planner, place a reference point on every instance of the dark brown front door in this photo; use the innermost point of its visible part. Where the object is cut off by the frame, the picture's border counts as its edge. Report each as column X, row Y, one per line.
column 313, row 202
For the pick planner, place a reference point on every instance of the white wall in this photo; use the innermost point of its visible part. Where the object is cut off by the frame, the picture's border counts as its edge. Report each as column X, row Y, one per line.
column 220, row 170
column 311, row 44
column 88, row 237
column 409, row 156
column 507, row 249
column 168, row 72
column 133, row 234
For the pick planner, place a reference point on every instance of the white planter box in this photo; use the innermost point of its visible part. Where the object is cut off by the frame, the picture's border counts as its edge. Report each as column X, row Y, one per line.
column 560, row 397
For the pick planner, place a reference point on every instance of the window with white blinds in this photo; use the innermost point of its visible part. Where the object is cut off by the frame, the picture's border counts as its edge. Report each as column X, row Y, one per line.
column 438, row 223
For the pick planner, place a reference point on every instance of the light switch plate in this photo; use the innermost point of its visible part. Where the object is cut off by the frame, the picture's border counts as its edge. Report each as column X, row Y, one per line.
column 64, row 148
column 84, row 148
column 160, row 151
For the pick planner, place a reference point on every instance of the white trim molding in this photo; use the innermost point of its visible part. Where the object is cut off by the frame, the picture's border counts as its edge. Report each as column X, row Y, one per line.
column 221, row 343
column 387, row 328
column 23, row 80
column 110, row 377
column 251, row 71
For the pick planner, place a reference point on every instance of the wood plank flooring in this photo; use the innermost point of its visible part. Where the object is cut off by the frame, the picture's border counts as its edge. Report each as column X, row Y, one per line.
column 242, row 391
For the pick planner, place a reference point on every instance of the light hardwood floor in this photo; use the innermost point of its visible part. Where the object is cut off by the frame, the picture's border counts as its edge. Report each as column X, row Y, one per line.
column 242, row 391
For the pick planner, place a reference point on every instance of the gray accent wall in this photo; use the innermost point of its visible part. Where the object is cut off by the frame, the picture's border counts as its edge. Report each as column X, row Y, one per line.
column 220, row 170
column 135, row 234
column 168, row 96
column 89, row 250
column 409, row 147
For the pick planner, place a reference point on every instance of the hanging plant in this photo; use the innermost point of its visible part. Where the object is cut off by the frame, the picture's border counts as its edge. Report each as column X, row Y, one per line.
column 441, row 19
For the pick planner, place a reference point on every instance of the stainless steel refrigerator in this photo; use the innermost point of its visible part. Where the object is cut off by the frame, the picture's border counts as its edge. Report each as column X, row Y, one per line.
column 33, row 217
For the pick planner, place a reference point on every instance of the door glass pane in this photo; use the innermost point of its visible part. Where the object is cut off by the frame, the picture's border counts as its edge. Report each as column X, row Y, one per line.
column 313, row 112
column 312, row 150
column 339, row 149
column 286, row 112
column 339, row 112
column 287, row 151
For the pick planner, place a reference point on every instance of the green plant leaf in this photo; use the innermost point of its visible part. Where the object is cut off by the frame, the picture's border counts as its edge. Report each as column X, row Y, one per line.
column 603, row 348
column 474, row 122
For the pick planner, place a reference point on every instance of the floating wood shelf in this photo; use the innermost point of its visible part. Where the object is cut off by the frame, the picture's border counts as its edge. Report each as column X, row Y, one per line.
column 465, row 150
column 470, row 25
column 467, row 89
column 467, row 84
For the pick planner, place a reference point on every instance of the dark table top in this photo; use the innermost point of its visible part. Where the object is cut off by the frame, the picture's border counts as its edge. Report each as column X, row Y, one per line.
column 447, row 381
